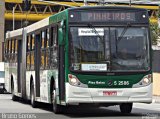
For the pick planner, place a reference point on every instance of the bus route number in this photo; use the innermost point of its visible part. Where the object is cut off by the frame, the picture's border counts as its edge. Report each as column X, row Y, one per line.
column 121, row 83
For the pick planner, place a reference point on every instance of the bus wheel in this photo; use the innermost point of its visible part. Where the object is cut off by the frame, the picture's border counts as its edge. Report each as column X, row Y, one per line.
column 14, row 98
column 126, row 108
column 57, row 109
column 33, row 102
column 1, row 91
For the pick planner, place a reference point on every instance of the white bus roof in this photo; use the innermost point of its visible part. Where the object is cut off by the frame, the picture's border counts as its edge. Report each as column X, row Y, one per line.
column 37, row 25
column 30, row 28
column 14, row 33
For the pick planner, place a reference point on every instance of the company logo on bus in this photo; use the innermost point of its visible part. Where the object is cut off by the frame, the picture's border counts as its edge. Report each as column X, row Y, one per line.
column 110, row 83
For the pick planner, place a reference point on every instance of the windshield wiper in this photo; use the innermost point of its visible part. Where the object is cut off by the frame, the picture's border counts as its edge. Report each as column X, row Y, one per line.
column 123, row 32
column 95, row 31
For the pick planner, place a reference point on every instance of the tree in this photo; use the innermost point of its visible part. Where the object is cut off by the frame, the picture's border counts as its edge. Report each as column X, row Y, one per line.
column 155, row 30
column 158, row 13
column 155, row 33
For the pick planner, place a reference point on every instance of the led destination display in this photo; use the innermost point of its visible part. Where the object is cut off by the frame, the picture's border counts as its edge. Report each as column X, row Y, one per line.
column 108, row 16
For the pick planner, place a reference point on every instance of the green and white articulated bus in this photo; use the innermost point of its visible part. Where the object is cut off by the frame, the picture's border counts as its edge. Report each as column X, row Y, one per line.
column 88, row 55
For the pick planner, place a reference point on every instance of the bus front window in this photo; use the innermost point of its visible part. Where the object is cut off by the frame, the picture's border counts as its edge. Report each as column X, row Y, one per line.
column 130, row 50
column 109, row 49
column 87, row 48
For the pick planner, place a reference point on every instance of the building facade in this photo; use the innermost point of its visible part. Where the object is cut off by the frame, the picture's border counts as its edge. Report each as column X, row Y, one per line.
column 2, row 10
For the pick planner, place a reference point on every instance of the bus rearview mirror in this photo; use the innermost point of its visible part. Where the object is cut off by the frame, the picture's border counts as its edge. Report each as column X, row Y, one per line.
column 61, row 33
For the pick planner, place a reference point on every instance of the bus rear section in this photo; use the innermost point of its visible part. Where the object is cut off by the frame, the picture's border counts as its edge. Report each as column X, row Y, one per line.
column 109, row 57
column 2, row 74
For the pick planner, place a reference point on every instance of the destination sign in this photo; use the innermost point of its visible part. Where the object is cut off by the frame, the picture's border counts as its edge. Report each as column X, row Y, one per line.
column 107, row 16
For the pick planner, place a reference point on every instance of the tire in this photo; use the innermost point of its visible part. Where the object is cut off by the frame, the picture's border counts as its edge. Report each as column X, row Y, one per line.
column 14, row 98
column 57, row 109
column 1, row 91
column 32, row 96
column 126, row 108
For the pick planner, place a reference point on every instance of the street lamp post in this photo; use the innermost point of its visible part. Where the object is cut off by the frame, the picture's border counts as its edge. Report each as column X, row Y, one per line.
column 13, row 17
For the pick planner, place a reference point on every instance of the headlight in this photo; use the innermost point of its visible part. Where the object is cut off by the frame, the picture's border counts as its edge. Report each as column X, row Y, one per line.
column 73, row 80
column 144, row 82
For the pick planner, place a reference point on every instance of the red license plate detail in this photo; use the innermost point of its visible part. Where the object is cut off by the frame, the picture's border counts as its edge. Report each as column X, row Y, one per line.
column 109, row 93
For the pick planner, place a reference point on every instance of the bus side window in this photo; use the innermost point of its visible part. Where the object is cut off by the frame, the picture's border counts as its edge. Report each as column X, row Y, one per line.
column 9, row 53
column 47, row 37
column 12, row 47
column 6, row 51
column 16, row 47
column 5, row 45
column 32, row 38
column 53, row 47
column 13, row 50
column 32, row 50
column 47, row 49
column 28, row 43
column 28, row 52
column 43, row 38
column 9, row 47
column 43, row 33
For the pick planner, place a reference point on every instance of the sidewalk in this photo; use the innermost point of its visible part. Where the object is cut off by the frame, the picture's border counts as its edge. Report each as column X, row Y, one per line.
column 156, row 99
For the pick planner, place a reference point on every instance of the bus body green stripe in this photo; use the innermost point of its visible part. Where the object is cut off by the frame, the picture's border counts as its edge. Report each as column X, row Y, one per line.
column 95, row 81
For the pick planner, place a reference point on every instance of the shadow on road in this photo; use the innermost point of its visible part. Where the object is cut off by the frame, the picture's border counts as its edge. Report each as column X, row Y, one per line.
column 82, row 112
column 91, row 111
column 85, row 112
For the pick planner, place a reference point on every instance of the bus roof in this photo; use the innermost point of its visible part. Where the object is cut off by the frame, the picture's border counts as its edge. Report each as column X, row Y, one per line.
column 29, row 28
column 38, row 25
column 14, row 33
column 106, row 7
column 45, row 22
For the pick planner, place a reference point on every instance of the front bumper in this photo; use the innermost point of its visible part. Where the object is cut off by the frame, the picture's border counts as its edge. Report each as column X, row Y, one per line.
column 76, row 95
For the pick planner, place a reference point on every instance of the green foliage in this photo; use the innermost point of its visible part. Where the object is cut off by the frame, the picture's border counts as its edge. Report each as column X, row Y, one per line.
column 158, row 13
column 155, row 33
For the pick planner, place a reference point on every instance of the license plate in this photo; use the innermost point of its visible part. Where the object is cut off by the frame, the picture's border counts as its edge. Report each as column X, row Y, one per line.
column 109, row 93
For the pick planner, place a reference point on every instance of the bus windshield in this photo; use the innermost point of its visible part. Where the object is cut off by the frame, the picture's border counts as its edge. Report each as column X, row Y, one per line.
column 109, row 48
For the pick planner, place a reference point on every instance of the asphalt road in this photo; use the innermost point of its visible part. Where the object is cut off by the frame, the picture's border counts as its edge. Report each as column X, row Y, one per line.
column 22, row 110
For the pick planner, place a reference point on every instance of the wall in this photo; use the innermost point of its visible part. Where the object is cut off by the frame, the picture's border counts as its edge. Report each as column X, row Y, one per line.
column 156, row 72
column 2, row 8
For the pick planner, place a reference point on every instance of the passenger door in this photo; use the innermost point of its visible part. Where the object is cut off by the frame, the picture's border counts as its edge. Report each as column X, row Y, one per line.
column 37, row 64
